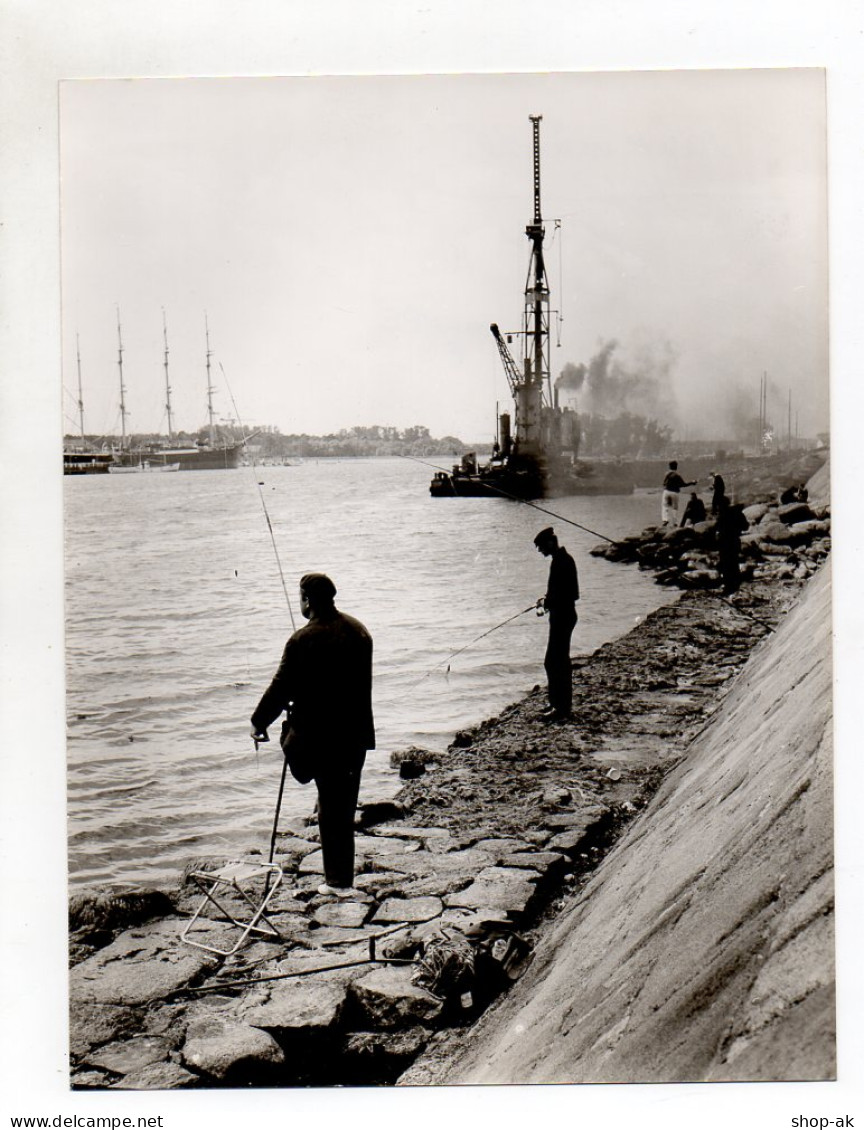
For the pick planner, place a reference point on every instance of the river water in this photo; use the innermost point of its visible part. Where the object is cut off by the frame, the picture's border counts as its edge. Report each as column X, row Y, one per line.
column 176, row 618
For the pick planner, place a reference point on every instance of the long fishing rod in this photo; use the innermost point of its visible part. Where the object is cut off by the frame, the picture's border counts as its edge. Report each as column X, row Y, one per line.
column 262, row 737
column 516, row 498
column 263, row 503
column 471, row 643
column 743, row 611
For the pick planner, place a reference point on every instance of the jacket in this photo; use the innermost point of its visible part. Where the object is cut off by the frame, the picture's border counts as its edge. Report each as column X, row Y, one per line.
column 324, row 681
column 562, row 589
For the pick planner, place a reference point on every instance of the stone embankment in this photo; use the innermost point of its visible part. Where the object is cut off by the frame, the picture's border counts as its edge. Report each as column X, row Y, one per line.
column 702, row 947
column 460, row 881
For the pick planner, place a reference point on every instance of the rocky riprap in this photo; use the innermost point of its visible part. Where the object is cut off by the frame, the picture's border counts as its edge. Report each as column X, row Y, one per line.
column 782, row 543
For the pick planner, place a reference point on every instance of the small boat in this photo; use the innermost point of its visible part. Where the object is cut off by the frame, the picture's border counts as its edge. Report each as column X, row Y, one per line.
column 145, row 467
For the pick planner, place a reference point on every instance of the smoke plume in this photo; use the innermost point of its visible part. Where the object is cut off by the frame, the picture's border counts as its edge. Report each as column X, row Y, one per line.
column 609, row 385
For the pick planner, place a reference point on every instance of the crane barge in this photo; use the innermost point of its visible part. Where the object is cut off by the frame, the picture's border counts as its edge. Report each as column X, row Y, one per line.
column 537, row 452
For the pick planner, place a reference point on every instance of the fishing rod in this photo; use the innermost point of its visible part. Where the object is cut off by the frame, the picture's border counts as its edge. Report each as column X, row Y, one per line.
column 525, row 501
column 743, row 612
column 488, row 632
column 263, row 503
column 263, row 737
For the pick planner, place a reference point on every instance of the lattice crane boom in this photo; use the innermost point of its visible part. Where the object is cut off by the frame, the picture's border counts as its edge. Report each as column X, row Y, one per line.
column 507, row 361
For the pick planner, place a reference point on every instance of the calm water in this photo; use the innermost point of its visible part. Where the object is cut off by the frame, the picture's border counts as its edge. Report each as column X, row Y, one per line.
column 176, row 619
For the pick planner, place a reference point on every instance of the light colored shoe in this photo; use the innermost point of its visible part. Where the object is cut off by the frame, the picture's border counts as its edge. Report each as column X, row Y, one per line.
column 337, row 892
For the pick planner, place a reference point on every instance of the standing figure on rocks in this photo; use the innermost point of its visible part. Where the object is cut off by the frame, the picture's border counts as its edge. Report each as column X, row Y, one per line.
column 324, row 682
column 562, row 592
column 718, row 488
column 672, row 486
column 730, row 525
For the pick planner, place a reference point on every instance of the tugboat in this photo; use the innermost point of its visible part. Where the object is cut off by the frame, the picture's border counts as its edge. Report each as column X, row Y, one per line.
column 538, row 457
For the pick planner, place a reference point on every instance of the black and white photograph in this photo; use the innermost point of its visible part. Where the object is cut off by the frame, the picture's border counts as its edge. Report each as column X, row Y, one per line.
column 447, row 653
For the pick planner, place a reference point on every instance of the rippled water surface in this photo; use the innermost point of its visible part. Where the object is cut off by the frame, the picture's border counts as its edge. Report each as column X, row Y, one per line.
column 176, row 619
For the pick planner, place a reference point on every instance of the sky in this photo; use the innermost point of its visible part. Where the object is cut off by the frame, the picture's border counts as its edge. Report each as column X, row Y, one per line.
column 350, row 239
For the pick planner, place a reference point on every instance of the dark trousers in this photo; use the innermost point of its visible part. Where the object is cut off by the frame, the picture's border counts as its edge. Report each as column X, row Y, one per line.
column 557, row 661
column 338, row 789
column 730, row 569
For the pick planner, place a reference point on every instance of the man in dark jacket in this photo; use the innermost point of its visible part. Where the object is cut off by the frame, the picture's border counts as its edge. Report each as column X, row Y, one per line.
column 731, row 523
column 324, row 682
column 718, row 491
column 562, row 592
column 694, row 511
column 673, row 484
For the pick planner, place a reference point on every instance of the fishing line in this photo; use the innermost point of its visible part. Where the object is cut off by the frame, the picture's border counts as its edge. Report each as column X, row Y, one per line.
column 525, row 501
column 471, row 643
column 263, row 503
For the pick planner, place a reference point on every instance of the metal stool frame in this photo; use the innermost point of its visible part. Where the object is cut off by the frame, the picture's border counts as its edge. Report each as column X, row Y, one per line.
column 231, row 875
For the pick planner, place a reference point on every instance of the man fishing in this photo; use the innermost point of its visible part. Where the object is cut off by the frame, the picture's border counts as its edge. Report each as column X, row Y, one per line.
column 324, row 682
column 562, row 592
column 673, row 484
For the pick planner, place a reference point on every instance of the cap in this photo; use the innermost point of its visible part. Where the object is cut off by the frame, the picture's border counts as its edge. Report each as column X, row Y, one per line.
column 544, row 535
column 317, row 586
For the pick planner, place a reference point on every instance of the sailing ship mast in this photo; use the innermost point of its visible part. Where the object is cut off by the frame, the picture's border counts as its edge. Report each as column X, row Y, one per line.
column 210, row 389
column 167, row 382
column 122, row 386
column 80, row 393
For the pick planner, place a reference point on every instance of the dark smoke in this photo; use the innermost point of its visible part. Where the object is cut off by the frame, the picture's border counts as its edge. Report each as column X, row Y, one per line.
column 608, row 386
column 572, row 377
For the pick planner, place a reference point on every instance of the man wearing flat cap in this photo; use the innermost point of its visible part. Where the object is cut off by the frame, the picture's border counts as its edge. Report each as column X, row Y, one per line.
column 324, row 682
column 562, row 592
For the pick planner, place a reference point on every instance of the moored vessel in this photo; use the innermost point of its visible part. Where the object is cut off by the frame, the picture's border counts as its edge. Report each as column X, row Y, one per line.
column 538, row 455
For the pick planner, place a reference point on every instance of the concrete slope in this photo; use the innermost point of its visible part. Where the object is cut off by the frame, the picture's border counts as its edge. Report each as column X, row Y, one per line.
column 703, row 947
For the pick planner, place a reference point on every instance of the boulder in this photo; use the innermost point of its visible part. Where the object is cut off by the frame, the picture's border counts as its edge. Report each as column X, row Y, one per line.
column 409, row 910
column 222, row 1047
column 807, row 531
column 374, row 882
column 296, row 1004
column 495, row 848
column 116, row 911
column 84, row 1080
column 126, row 1056
column 157, row 1077
column 566, row 820
column 377, row 812
column 704, row 529
column 569, row 841
column 410, row 832
column 773, row 530
column 541, row 861
column 294, row 848
column 754, row 514
column 390, row 1045
column 794, row 512
column 388, row 998
column 348, row 913
column 679, row 535
column 509, row 887
column 141, row 965
column 91, row 1025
